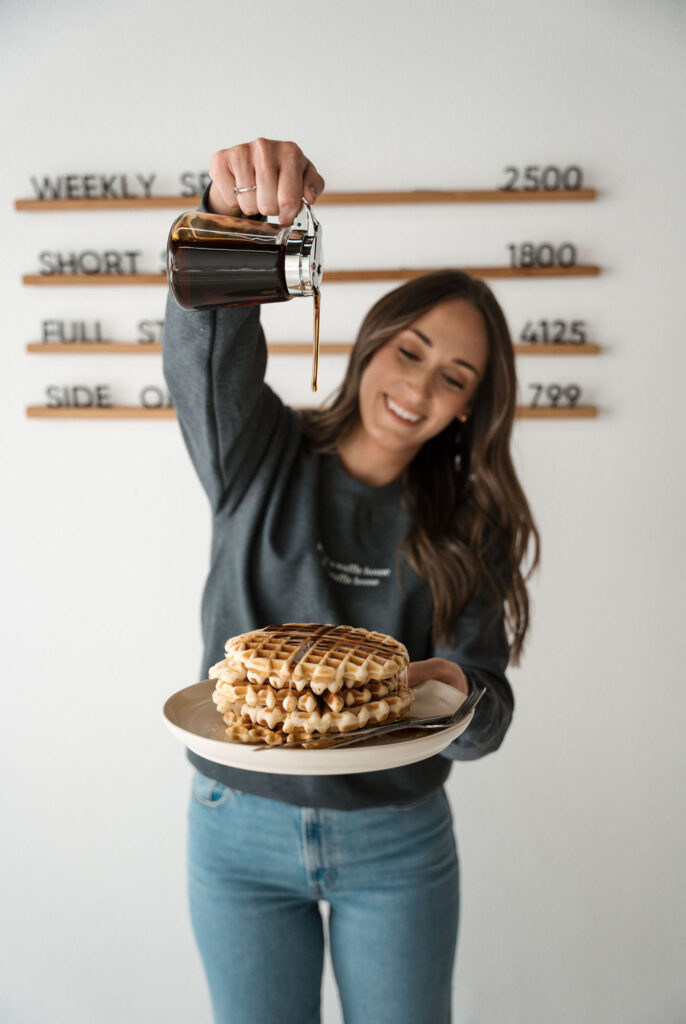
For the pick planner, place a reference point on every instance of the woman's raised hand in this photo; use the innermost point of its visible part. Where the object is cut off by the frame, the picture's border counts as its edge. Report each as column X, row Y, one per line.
column 281, row 171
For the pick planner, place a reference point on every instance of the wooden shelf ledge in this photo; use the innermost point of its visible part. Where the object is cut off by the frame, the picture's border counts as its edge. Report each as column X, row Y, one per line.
column 135, row 412
column 330, row 276
column 416, row 196
column 112, row 348
column 561, row 348
column 284, row 348
column 114, row 412
column 563, row 412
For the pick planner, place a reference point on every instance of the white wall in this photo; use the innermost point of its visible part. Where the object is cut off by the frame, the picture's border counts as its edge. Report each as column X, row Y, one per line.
column 572, row 835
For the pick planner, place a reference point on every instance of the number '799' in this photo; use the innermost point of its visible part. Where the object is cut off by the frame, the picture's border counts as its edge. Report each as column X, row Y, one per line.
column 557, row 394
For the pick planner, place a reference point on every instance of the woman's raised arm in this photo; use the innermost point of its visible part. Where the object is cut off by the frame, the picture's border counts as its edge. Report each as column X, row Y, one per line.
column 214, row 362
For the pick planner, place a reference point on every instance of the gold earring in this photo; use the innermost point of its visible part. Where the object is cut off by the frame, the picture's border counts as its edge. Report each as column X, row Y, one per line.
column 463, row 419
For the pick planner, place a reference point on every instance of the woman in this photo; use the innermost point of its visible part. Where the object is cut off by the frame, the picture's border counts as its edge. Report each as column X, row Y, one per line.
column 406, row 481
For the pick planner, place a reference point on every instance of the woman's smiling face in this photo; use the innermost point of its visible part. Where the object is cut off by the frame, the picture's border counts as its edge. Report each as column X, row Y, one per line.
column 424, row 377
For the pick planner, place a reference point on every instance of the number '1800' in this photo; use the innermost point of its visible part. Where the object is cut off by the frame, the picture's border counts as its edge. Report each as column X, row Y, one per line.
column 527, row 254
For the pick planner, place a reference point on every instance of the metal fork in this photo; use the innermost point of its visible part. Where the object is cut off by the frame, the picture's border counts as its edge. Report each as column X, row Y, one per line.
column 434, row 722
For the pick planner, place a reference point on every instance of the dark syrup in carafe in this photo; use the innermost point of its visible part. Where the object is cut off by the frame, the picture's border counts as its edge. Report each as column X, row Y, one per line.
column 224, row 272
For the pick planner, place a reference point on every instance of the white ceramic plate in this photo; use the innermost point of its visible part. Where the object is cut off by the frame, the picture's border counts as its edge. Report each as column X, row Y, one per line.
column 192, row 716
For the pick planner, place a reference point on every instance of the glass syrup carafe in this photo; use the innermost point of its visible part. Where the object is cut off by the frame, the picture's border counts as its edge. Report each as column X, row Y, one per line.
column 216, row 262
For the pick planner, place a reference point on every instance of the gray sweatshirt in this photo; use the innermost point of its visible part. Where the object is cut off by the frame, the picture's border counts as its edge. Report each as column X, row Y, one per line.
column 296, row 539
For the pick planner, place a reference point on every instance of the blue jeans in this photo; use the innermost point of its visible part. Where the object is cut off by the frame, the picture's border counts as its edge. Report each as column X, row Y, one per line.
column 257, row 871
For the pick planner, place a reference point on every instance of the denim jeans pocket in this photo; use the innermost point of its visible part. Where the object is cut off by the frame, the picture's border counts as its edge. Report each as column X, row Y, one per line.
column 210, row 793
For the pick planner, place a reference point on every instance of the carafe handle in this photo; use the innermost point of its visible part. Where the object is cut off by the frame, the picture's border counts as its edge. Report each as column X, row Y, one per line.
column 303, row 260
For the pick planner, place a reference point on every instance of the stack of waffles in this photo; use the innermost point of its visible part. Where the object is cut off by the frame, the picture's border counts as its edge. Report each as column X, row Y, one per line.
column 302, row 681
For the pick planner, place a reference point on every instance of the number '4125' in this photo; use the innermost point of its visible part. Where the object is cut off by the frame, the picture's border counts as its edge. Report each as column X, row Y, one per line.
column 554, row 331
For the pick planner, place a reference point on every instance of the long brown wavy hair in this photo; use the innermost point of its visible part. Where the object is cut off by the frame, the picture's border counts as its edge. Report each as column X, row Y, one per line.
column 469, row 526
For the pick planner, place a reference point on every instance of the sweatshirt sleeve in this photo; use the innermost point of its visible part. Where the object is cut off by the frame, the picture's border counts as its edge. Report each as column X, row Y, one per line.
column 214, row 365
column 479, row 646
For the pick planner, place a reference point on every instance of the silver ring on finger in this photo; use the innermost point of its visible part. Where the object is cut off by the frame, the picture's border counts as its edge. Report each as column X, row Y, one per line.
column 250, row 188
